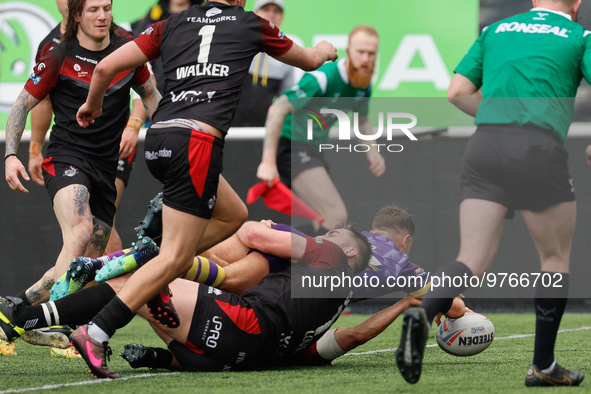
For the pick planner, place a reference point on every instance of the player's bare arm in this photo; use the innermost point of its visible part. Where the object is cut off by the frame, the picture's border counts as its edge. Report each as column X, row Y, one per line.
column 41, row 117
column 464, row 94
column 309, row 59
column 150, row 96
column 129, row 138
column 127, row 57
column 282, row 244
column 14, row 131
column 377, row 164
column 267, row 170
column 348, row 338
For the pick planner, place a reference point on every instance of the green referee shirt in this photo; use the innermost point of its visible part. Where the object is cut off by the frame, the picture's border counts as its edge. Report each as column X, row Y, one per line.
column 535, row 62
column 329, row 81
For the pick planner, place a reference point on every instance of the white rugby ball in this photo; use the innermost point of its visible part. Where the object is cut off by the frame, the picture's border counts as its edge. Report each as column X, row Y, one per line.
column 466, row 336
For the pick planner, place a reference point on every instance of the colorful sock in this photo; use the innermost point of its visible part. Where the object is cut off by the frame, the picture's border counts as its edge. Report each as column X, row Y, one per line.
column 550, row 303
column 109, row 257
column 441, row 298
column 77, row 308
column 205, row 271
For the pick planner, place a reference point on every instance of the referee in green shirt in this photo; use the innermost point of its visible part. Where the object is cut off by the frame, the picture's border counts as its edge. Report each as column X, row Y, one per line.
column 519, row 80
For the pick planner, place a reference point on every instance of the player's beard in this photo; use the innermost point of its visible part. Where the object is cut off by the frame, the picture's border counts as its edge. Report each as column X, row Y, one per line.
column 357, row 78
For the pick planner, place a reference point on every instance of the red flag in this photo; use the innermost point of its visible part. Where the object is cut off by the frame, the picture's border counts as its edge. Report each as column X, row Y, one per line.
column 280, row 198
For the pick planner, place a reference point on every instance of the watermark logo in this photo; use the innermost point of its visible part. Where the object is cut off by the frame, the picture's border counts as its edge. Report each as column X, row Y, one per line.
column 391, row 127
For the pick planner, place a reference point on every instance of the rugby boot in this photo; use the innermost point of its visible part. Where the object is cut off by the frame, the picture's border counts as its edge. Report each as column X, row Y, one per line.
column 7, row 348
column 410, row 352
column 558, row 377
column 9, row 331
column 68, row 353
column 94, row 353
column 141, row 252
column 81, row 271
column 55, row 336
column 151, row 226
column 138, row 356
column 162, row 309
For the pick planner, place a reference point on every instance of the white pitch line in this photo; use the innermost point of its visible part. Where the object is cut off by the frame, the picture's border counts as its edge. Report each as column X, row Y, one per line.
column 85, row 382
column 496, row 339
column 149, row 375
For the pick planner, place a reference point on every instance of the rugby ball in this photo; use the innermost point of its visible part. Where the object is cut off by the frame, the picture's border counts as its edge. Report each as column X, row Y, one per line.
column 466, row 336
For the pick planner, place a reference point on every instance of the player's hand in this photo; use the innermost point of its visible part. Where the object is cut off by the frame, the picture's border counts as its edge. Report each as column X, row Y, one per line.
column 128, row 143
column 12, row 169
column 331, row 51
column 267, row 172
column 588, row 154
column 412, row 301
column 35, row 162
column 377, row 163
column 268, row 223
column 86, row 115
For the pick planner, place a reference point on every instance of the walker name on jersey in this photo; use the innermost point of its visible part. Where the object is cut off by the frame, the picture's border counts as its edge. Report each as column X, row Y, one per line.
column 202, row 69
column 532, row 28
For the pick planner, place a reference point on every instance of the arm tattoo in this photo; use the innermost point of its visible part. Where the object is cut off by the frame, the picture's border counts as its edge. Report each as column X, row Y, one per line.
column 101, row 233
column 150, row 96
column 81, row 198
column 17, row 120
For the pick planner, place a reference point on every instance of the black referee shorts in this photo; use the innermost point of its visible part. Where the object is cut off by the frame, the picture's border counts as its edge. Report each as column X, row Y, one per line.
column 520, row 167
column 294, row 157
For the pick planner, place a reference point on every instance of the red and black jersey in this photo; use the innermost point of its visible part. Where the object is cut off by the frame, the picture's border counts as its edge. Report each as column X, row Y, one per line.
column 64, row 73
column 52, row 40
column 292, row 309
column 206, row 53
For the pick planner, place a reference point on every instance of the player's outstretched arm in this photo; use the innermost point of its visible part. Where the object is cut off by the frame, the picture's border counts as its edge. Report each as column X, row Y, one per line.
column 15, row 126
column 309, row 59
column 464, row 94
column 125, row 58
column 349, row 338
column 267, row 170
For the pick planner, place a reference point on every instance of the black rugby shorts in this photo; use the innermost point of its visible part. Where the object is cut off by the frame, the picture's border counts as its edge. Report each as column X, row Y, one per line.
column 100, row 184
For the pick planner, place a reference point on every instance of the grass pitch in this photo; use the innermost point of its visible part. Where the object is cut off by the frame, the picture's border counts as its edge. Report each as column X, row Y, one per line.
column 369, row 368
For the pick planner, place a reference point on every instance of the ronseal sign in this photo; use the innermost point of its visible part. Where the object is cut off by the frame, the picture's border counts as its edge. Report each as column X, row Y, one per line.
column 421, row 42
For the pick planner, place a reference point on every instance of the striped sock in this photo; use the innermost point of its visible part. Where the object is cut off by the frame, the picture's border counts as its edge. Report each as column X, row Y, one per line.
column 205, row 271
column 108, row 257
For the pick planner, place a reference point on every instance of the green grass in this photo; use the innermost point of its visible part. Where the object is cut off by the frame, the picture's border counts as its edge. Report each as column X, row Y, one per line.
column 500, row 369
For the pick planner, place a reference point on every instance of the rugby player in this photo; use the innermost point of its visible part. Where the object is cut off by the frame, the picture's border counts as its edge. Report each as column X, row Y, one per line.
column 206, row 52
column 80, row 167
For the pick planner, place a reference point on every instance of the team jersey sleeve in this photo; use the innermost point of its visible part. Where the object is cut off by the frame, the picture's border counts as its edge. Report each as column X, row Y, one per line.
column 149, row 41
column 471, row 64
column 586, row 61
column 323, row 254
column 44, row 76
column 275, row 42
column 310, row 86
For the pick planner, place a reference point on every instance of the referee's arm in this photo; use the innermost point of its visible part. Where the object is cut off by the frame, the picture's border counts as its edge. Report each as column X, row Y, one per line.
column 464, row 94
